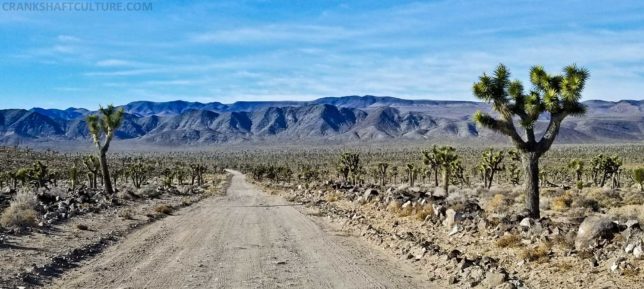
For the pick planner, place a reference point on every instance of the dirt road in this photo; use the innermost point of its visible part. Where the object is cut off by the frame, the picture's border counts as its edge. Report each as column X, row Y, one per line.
column 247, row 239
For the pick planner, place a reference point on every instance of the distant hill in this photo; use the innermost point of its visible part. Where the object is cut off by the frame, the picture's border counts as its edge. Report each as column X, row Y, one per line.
column 337, row 119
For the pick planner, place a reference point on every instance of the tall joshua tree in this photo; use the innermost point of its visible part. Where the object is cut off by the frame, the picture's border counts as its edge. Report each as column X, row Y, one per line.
column 557, row 96
column 447, row 159
column 490, row 164
column 102, row 128
column 382, row 172
column 577, row 167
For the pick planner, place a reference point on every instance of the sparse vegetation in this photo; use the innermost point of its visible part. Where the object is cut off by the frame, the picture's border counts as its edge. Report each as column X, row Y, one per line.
column 21, row 211
column 163, row 209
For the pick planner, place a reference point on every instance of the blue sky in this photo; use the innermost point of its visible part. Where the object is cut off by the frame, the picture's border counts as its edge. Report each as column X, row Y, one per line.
column 299, row 50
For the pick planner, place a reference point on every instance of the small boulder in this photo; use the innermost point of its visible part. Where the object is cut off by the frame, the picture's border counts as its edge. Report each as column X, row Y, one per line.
column 632, row 224
column 369, row 194
column 593, row 228
column 526, row 222
column 494, row 279
column 451, row 218
column 637, row 252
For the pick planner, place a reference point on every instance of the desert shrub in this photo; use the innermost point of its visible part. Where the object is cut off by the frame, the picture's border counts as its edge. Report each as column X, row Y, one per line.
column 553, row 192
column 538, row 253
column 633, row 198
column 508, row 241
column 406, row 211
column 20, row 212
column 607, row 198
column 586, row 203
column 423, row 211
column 562, row 202
column 163, row 209
column 394, row 206
column 628, row 212
column 332, row 196
column 126, row 214
column 186, row 201
column 498, row 203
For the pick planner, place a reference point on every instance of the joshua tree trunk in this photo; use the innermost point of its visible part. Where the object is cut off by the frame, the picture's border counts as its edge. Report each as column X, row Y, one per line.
column 531, row 166
column 446, row 172
column 107, row 181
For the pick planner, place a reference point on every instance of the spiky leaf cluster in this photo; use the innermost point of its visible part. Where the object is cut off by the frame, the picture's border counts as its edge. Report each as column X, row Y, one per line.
column 556, row 95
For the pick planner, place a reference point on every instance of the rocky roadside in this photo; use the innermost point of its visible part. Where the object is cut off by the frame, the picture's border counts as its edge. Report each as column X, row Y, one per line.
column 460, row 242
column 34, row 256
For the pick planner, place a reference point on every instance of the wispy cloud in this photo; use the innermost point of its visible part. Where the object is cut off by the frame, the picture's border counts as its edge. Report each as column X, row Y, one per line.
column 238, row 51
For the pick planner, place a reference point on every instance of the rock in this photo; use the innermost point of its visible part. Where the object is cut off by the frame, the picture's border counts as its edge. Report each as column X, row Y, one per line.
column 451, row 218
column 452, row 280
column 629, row 248
column 369, row 194
column 494, row 279
column 637, row 252
column 406, row 204
column 592, row 228
column 439, row 210
column 632, row 224
column 506, row 285
column 439, row 192
column 526, row 222
column 616, row 264
column 453, row 231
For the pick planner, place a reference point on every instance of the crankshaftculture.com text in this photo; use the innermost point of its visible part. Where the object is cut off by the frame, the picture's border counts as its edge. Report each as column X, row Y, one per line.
column 74, row 6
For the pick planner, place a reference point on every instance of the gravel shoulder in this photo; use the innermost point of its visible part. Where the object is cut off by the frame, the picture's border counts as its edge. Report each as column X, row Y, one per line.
column 246, row 239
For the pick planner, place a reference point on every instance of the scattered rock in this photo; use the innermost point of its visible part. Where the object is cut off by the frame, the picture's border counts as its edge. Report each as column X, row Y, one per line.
column 506, row 285
column 526, row 222
column 593, row 228
column 369, row 194
column 451, row 218
column 637, row 252
column 494, row 279
column 632, row 224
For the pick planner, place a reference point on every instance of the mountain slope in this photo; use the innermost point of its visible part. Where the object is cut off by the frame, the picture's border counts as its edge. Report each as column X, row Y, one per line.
column 337, row 119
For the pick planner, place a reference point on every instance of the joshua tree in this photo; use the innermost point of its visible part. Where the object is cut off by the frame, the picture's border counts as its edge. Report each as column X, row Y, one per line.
column 447, row 159
column 349, row 165
column 138, row 172
column 490, row 164
column 577, row 167
column 604, row 168
column 411, row 174
column 555, row 95
column 39, row 174
column 168, row 177
column 93, row 165
column 106, row 123
column 382, row 172
column 429, row 159
column 73, row 175
column 181, row 174
column 196, row 173
column 638, row 176
column 394, row 174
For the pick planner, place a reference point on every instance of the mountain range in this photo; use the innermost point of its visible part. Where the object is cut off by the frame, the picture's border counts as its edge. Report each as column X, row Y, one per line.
column 330, row 119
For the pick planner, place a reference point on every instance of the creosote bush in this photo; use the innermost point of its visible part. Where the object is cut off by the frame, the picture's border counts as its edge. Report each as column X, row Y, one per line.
column 423, row 211
column 508, row 241
column 163, row 209
column 20, row 212
column 562, row 203
column 499, row 203
column 537, row 253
